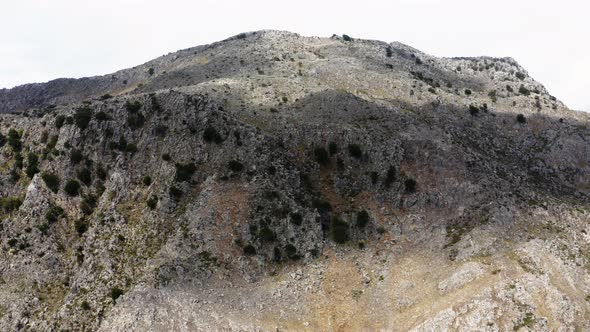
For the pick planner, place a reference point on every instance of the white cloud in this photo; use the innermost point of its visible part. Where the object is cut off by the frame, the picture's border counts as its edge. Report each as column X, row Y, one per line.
column 42, row 40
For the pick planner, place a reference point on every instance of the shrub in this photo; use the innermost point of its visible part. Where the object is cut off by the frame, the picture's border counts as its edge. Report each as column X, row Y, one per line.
column 9, row 204
column 388, row 52
column 211, row 135
column 390, row 177
column 520, row 118
column 76, row 156
column 106, row 96
column 523, row 91
column 88, row 204
column 155, row 103
column 374, row 177
column 467, row 92
column 130, row 148
column 321, row 156
column 72, row 187
column 51, row 181
column 82, row 117
column 184, row 172
column 493, row 96
column 116, row 293
column 32, row 165
column 410, row 185
column 53, row 213
column 241, row 36
column 333, row 148
column 59, row 121
column 85, row 306
column 235, row 166
column 355, row 151
column 152, row 202
column 266, row 234
column 321, row 205
column 339, row 230
column 81, row 226
column 160, row 130
column 147, row 180
column 347, row 38
column 151, row 71
column 101, row 116
column 132, row 107
column 14, row 140
column 473, row 110
column 296, row 218
column 136, row 120
column 84, row 175
column 509, row 88
column 101, row 173
column 362, row 219
column 520, row 76
column 175, row 193
column 249, row 250
column 291, row 251
column 166, row 157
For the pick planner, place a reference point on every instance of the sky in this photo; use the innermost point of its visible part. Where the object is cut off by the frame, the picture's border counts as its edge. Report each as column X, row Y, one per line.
column 42, row 40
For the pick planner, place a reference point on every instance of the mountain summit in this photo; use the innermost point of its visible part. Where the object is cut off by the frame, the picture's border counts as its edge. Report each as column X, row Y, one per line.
column 277, row 182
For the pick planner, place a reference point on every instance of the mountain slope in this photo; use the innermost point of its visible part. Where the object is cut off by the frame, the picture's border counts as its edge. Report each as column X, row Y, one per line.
column 273, row 181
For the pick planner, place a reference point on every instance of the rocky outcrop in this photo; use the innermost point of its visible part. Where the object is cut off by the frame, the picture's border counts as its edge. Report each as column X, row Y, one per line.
column 273, row 181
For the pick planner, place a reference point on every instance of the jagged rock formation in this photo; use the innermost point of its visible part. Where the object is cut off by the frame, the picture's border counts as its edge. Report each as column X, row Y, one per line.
column 273, row 181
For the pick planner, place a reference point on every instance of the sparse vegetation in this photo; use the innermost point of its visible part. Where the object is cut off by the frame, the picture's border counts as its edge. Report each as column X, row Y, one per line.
column 9, row 204
column 355, row 151
column 82, row 117
column 321, row 156
column 72, row 188
column 51, row 181
column 184, row 172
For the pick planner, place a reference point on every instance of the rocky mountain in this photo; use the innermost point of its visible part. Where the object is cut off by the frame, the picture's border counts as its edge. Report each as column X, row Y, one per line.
column 274, row 182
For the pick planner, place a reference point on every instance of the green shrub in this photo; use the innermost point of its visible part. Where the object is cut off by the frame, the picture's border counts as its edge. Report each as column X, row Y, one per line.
column 520, row 76
column 82, row 117
column 333, row 148
column 53, row 214
column 155, row 103
column 101, row 116
column 467, row 92
column 175, row 193
column 88, row 204
column 509, row 88
column 184, row 172
column 32, row 165
column 520, row 118
column 59, row 121
column 51, row 181
column 132, row 107
column 296, row 218
column 116, row 293
column 106, row 96
column 101, row 173
column 291, row 252
column 410, row 185
column 84, row 175
column 147, row 180
column 76, row 156
column 339, row 230
column 249, row 250
column 493, row 96
column 266, row 234
column 9, row 204
column 390, row 177
column 388, row 52
column 85, row 306
column 235, row 166
column 152, row 202
column 14, row 140
column 166, row 157
column 151, row 71
column 523, row 91
column 136, row 120
column 473, row 110
column 321, row 156
column 355, row 151
column 211, row 135
column 362, row 219
column 130, row 148
column 347, row 38
column 81, row 226
column 241, row 36
column 72, row 187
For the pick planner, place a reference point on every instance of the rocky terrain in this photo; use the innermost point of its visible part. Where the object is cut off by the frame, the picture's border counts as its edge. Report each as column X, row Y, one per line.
column 274, row 182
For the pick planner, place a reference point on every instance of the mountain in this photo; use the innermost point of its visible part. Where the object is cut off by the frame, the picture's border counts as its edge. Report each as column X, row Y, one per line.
column 277, row 182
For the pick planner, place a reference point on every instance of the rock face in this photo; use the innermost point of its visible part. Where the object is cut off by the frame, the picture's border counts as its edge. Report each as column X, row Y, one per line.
column 278, row 182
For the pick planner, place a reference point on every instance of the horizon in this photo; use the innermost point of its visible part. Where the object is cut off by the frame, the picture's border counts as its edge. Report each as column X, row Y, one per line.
column 67, row 39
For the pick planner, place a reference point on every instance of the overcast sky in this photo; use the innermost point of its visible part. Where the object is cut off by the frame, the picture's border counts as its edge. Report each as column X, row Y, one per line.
column 45, row 39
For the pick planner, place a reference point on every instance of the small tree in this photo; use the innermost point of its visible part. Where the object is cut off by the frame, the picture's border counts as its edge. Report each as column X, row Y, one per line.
column 51, row 181
column 82, row 117
column 72, row 187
